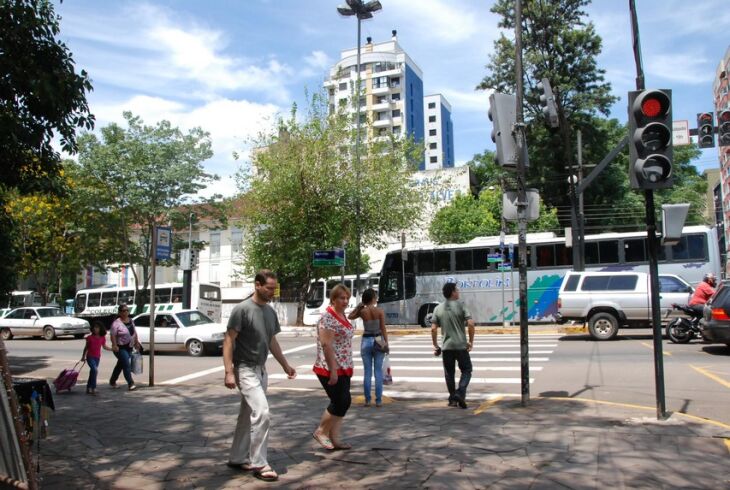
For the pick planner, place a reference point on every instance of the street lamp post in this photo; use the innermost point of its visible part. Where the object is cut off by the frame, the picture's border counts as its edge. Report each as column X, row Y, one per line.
column 362, row 10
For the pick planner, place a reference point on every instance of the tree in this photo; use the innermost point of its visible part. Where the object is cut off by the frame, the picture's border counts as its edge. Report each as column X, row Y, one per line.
column 301, row 193
column 144, row 176
column 41, row 97
column 559, row 45
column 466, row 218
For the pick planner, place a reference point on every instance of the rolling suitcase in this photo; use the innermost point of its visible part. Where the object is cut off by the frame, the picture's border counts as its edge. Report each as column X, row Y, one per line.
column 67, row 378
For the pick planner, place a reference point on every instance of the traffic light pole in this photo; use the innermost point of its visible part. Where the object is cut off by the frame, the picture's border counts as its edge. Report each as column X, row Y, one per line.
column 651, row 243
column 519, row 131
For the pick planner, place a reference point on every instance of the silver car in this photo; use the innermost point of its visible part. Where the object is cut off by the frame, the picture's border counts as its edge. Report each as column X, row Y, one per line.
column 46, row 321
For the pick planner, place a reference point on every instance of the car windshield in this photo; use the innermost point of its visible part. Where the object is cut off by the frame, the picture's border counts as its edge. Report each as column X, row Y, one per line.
column 192, row 318
column 46, row 312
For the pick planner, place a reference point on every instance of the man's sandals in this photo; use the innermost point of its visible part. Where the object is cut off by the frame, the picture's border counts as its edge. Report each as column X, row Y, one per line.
column 265, row 473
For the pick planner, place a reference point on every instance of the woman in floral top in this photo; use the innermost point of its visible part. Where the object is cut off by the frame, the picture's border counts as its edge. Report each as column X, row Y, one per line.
column 334, row 368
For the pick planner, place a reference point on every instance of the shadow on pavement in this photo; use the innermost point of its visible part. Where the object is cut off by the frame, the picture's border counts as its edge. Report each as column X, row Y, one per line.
column 717, row 350
column 23, row 365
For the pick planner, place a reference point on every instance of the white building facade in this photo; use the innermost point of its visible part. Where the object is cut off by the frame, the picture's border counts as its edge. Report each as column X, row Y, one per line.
column 439, row 133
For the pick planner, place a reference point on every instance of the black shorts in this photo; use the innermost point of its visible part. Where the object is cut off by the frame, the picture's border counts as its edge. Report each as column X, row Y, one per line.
column 339, row 394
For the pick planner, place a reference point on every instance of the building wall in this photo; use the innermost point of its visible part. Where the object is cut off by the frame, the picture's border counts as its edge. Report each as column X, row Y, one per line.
column 439, row 133
column 414, row 105
column 721, row 96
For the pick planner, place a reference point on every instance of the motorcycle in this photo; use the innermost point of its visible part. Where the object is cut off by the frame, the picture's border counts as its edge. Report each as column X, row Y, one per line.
column 682, row 329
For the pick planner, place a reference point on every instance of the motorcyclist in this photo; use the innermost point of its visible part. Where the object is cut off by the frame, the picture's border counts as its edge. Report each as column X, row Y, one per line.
column 703, row 293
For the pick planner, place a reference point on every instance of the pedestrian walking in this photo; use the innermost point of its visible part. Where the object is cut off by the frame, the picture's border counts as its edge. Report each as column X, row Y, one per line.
column 92, row 354
column 124, row 340
column 374, row 344
column 251, row 334
column 334, row 367
column 454, row 318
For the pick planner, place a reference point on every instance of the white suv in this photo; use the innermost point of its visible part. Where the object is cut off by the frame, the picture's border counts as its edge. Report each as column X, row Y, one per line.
column 610, row 300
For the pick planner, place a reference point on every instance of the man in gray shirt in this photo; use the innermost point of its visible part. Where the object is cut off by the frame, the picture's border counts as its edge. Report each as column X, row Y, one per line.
column 251, row 334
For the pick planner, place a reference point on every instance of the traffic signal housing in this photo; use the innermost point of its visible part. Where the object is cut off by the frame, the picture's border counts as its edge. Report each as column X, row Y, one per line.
column 547, row 102
column 723, row 128
column 503, row 114
column 705, row 130
column 650, row 139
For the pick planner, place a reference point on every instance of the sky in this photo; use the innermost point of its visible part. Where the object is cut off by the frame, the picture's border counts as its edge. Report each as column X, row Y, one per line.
column 232, row 66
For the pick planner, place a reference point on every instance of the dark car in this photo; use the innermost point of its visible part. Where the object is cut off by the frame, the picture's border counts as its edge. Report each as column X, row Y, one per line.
column 716, row 323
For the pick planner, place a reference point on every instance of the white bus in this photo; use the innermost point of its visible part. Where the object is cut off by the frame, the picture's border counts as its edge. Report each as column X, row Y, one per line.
column 489, row 292
column 319, row 292
column 30, row 298
column 101, row 303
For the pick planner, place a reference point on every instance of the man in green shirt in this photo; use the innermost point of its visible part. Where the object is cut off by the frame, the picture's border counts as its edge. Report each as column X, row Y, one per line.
column 453, row 318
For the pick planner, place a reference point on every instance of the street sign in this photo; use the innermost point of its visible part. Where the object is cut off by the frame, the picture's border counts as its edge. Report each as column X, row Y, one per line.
column 504, row 267
column 334, row 257
column 511, row 251
column 680, row 133
column 164, row 243
column 494, row 258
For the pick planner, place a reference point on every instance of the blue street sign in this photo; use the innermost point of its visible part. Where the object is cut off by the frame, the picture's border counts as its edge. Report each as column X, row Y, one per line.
column 163, row 247
column 492, row 258
column 334, row 257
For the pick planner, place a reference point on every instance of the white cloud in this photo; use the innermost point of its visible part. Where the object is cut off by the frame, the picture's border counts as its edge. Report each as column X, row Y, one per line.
column 472, row 100
column 318, row 59
column 445, row 21
column 680, row 67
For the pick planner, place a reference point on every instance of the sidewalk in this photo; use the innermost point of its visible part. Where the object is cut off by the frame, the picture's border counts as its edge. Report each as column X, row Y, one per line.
column 178, row 437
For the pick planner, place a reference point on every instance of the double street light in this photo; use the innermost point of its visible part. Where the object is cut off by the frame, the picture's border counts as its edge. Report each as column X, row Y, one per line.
column 362, row 10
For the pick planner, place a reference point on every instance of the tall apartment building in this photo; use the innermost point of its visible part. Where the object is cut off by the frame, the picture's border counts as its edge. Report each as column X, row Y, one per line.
column 721, row 97
column 439, row 133
column 391, row 88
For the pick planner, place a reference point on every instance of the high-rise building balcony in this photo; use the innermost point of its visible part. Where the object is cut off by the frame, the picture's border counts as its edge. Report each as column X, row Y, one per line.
column 381, row 106
column 382, row 89
column 382, row 122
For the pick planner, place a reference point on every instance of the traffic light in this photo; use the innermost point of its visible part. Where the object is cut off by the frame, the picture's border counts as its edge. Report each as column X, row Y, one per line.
column 503, row 114
column 193, row 258
column 705, row 130
column 650, row 139
column 547, row 102
column 723, row 128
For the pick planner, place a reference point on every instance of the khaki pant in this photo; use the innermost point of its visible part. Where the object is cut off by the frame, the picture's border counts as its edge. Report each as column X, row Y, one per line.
column 252, row 430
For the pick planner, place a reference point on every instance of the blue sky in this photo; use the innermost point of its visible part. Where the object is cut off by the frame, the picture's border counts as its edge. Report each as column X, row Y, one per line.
column 232, row 66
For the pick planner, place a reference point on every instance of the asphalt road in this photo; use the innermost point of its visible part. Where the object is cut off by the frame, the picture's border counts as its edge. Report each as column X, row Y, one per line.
column 697, row 375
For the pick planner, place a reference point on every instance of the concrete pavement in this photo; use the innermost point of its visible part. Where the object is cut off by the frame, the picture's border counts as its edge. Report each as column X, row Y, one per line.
column 178, row 437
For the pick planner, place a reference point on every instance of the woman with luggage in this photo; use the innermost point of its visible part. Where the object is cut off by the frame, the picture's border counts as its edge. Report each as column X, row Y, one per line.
column 92, row 354
column 124, row 339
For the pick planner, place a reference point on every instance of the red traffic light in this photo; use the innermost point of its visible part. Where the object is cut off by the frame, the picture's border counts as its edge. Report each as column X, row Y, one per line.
column 652, row 104
column 651, row 107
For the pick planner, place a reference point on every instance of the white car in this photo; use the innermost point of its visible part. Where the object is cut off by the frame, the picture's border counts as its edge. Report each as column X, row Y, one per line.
column 188, row 330
column 47, row 321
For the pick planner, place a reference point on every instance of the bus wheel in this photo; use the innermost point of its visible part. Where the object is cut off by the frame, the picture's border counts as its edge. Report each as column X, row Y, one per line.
column 425, row 315
column 49, row 333
column 6, row 334
column 195, row 348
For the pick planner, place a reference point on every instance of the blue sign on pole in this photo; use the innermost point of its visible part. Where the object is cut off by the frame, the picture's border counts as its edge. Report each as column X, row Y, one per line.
column 334, row 257
column 163, row 247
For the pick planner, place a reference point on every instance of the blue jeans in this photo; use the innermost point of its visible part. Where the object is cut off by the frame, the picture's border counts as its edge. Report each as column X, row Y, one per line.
column 371, row 357
column 93, row 363
column 124, row 364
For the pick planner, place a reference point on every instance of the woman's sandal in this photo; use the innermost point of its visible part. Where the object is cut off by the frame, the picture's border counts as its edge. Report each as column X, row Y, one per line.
column 265, row 474
column 324, row 441
column 343, row 446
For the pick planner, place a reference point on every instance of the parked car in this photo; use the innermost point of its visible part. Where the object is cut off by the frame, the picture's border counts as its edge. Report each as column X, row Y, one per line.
column 188, row 330
column 46, row 321
column 716, row 322
column 4, row 311
column 611, row 300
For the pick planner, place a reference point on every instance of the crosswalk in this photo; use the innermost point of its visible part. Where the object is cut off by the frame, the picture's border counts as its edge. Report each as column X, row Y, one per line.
column 495, row 359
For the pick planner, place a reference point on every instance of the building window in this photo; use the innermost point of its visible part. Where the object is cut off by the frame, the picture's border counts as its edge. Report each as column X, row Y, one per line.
column 395, row 82
column 382, row 99
column 432, row 132
column 382, row 116
column 432, row 146
column 215, row 245
column 332, row 92
column 396, row 113
column 431, row 118
column 434, row 159
column 343, row 86
column 379, row 82
column 432, row 105
column 382, row 132
column 395, row 97
column 236, row 240
column 396, row 130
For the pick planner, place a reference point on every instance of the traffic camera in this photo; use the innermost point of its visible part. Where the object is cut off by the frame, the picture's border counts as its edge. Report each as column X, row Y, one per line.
column 705, row 130
column 547, row 103
column 723, row 128
column 650, row 139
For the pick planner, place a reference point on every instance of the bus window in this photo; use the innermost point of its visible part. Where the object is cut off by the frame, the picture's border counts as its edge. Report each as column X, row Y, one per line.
column 80, row 304
column 315, row 296
column 109, row 298
column 591, row 253
column 480, row 259
column 210, row 292
column 608, row 251
column 442, row 261
column 162, row 295
column 462, row 260
column 545, row 255
column 696, row 247
column 424, row 262
column 126, row 296
column 635, row 250
column 563, row 256
column 94, row 300
column 177, row 294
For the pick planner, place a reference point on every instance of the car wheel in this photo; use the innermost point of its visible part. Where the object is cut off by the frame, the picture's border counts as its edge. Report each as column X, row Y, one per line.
column 603, row 326
column 6, row 334
column 195, row 348
column 79, row 336
column 49, row 333
column 678, row 331
column 426, row 315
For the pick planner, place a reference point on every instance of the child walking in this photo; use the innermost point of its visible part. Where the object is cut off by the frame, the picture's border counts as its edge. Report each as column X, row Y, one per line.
column 92, row 354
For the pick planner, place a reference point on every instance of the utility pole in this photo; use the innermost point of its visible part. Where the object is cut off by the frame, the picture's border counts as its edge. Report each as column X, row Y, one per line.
column 152, row 306
column 521, row 208
column 188, row 269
